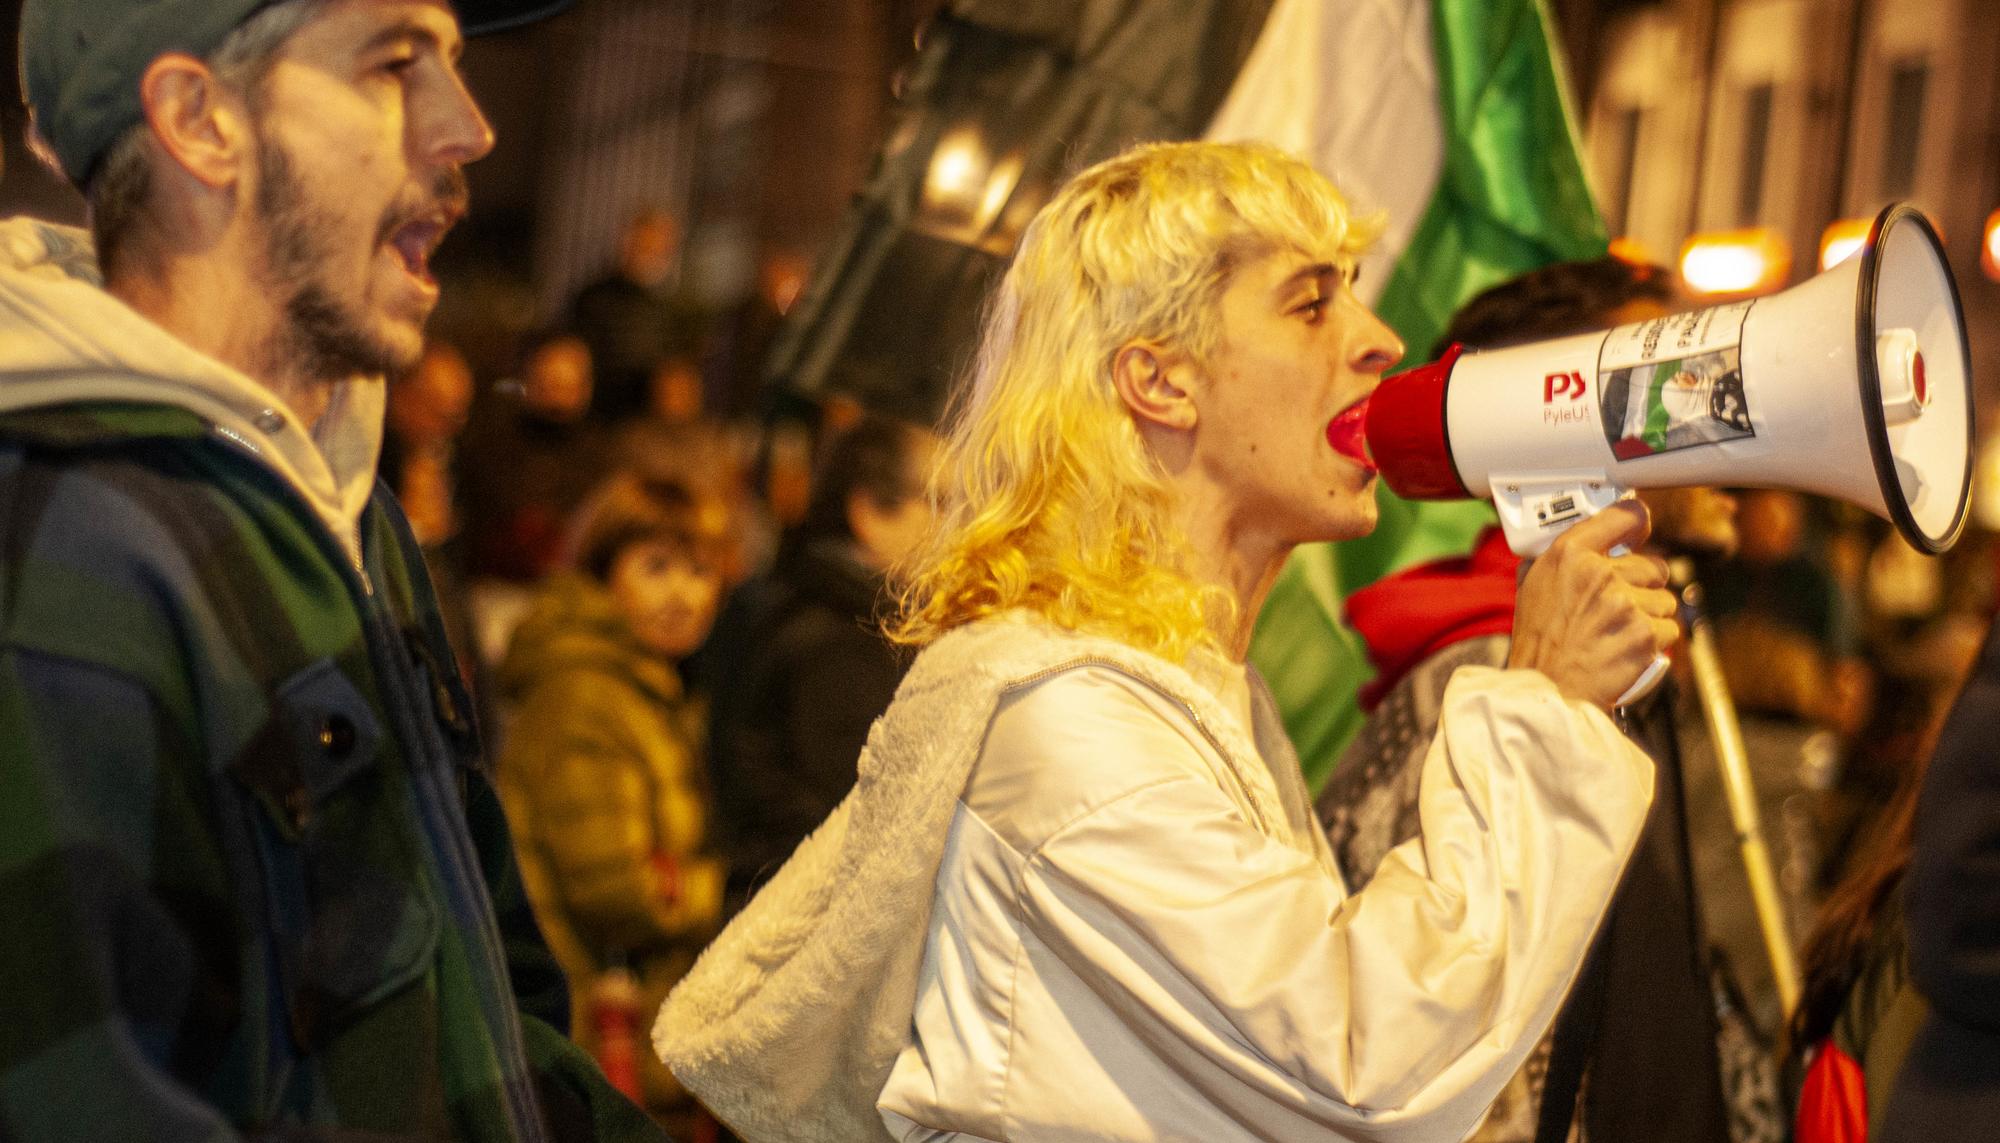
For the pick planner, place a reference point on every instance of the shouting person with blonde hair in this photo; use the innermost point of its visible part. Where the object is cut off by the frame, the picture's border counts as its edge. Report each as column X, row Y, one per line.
column 1078, row 892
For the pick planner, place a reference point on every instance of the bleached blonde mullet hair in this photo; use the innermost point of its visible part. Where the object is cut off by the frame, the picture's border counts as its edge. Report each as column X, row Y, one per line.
column 1048, row 498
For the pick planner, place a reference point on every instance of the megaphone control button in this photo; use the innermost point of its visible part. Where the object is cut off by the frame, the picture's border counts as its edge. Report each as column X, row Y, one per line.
column 1899, row 366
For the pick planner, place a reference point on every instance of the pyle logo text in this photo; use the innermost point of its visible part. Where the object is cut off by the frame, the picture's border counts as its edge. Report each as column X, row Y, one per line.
column 1562, row 385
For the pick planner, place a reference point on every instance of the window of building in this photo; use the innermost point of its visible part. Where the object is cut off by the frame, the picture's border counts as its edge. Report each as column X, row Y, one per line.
column 1625, row 127
column 1907, row 83
column 1756, row 136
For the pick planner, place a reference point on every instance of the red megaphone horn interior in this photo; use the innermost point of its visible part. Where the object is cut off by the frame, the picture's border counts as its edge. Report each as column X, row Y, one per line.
column 1399, row 432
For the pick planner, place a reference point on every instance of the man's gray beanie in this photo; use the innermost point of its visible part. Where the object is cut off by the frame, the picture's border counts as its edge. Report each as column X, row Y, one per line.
column 81, row 60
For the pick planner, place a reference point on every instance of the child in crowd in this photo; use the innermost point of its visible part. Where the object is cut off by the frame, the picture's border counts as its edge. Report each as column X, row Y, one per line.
column 601, row 772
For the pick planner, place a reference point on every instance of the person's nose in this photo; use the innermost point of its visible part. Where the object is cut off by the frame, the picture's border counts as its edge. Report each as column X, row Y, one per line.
column 688, row 589
column 1375, row 347
column 451, row 130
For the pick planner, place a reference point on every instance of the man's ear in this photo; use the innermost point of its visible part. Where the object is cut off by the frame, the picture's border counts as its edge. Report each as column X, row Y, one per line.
column 197, row 121
column 1149, row 379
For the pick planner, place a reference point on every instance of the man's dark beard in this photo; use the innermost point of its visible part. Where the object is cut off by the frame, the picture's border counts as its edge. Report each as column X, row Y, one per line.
column 319, row 339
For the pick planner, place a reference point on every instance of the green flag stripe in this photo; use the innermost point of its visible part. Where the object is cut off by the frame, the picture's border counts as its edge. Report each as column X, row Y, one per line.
column 1512, row 196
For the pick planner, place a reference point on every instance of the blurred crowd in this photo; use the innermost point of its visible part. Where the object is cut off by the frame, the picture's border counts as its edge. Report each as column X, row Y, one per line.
column 268, row 879
column 666, row 595
column 667, row 587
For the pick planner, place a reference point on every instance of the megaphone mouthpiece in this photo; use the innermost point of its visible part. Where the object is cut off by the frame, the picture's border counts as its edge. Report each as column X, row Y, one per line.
column 1406, row 432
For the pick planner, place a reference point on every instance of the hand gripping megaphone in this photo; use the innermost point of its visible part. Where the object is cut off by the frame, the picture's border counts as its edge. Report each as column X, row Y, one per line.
column 1854, row 385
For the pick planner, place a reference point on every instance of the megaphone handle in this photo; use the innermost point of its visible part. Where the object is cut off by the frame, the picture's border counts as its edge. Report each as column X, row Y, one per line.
column 1534, row 510
column 1649, row 679
column 1647, row 682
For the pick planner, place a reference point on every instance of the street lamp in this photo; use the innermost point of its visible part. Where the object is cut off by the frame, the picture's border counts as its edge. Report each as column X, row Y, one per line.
column 1745, row 261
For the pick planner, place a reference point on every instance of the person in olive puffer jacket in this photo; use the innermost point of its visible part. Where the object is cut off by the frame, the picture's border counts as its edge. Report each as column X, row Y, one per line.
column 601, row 771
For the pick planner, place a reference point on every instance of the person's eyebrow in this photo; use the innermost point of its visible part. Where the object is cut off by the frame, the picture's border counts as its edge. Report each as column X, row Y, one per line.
column 410, row 30
column 1319, row 272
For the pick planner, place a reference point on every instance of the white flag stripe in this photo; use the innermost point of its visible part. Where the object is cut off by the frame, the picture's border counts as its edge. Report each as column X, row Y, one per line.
column 1352, row 86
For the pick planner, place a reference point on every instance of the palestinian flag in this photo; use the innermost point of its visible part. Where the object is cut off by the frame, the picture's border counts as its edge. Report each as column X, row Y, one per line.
column 1646, row 421
column 1456, row 105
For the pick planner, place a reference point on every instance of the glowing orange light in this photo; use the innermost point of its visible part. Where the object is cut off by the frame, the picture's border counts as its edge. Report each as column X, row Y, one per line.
column 1840, row 241
column 1735, row 261
column 1989, row 251
column 1630, row 251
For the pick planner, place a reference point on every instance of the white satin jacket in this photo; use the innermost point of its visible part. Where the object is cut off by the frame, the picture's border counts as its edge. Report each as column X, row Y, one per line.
column 1069, row 899
column 1138, row 932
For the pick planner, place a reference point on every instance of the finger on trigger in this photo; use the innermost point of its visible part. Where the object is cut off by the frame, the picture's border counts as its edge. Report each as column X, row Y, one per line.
column 1625, row 523
column 1641, row 571
column 1661, row 604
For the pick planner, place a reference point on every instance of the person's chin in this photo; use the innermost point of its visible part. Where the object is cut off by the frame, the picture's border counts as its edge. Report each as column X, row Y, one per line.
column 399, row 357
column 1354, row 520
column 1705, row 544
column 399, row 340
column 1356, row 529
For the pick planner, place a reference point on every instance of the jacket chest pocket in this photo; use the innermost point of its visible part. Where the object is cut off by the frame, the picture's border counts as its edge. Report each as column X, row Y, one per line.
column 352, row 919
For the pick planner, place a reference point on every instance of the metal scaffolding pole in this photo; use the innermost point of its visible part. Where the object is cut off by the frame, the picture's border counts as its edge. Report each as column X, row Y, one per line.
column 1719, row 711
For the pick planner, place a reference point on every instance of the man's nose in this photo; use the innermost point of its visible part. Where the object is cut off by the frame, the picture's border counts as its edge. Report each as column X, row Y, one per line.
column 452, row 130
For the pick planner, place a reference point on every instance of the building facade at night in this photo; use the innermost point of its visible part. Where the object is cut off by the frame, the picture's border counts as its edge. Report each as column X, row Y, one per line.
column 1717, row 116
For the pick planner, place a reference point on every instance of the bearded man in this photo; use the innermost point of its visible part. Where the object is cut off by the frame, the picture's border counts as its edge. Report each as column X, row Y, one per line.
column 257, row 881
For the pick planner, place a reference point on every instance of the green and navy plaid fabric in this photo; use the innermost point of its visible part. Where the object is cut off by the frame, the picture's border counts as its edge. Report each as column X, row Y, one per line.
column 253, row 877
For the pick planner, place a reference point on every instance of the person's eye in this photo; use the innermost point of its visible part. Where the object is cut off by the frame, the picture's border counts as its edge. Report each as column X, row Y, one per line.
column 1312, row 309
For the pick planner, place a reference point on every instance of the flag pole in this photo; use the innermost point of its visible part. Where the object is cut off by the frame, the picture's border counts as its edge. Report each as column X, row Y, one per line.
column 1733, row 761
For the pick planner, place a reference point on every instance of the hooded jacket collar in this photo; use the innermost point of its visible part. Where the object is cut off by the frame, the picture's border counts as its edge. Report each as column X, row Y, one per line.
column 828, row 571
column 64, row 341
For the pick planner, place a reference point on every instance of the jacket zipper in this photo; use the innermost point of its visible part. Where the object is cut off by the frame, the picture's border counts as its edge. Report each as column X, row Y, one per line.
column 383, row 650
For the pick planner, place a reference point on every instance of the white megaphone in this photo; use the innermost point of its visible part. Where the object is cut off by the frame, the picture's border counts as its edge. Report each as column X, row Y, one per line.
column 1855, row 385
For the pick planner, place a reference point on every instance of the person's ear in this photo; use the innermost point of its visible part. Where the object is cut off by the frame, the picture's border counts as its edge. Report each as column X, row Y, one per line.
column 1149, row 379
column 199, row 123
column 867, row 522
column 861, row 516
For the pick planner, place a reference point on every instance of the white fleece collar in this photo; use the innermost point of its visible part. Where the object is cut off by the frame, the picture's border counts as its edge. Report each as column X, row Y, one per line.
column 64, row 340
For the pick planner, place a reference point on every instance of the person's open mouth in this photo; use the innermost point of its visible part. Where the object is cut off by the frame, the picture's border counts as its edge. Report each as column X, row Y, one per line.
column 1347, row 432
column 415, row 240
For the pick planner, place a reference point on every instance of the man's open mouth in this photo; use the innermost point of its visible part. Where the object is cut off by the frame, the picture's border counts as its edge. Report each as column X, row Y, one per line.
column 416, row 241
